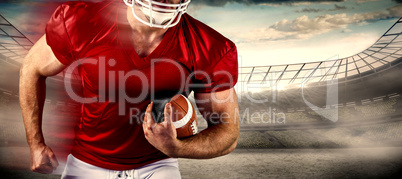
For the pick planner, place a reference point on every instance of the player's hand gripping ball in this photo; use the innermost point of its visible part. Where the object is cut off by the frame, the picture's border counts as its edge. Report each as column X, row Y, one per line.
column 184, row 118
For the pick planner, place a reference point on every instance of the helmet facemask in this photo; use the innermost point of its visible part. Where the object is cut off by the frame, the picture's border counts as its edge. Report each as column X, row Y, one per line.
column 163, row 16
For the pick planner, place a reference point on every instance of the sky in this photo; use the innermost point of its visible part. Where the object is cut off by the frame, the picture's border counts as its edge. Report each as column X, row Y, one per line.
column 266, row 32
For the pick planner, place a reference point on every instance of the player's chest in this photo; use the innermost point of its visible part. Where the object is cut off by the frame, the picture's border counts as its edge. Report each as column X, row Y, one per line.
column 112, row 69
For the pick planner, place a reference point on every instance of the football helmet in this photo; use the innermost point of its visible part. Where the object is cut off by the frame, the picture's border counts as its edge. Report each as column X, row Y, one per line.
column 157, row 14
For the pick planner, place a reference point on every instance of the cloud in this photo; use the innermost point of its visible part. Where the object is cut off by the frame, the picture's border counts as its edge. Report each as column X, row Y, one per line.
column 338, row 7
column 304, row 27
column 252, row 2
column 314, row 10
column 308, row 10
column 346, row 30
column 363, row 1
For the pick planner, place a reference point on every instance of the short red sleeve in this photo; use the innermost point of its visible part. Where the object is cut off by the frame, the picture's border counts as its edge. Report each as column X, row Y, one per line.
column 221, row 76
column 57, row 35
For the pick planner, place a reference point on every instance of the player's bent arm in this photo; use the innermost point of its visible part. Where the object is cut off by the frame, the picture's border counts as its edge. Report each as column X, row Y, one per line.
column 221, row 136
column 37, row 65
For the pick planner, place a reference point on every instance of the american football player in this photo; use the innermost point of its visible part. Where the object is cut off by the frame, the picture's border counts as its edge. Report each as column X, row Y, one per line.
column 118, row 46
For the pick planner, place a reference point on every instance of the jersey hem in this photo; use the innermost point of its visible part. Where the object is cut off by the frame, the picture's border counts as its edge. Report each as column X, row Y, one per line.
column 113, row 166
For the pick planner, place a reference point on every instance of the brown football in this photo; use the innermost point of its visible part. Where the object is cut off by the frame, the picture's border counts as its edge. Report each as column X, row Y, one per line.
column 184, row 116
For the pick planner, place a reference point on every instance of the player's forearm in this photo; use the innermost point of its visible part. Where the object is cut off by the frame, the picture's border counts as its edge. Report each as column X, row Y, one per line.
column 32, row 95
column 215, row 141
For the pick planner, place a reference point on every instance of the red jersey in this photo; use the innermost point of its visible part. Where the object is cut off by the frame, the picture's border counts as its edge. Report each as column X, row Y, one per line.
column 96, row 36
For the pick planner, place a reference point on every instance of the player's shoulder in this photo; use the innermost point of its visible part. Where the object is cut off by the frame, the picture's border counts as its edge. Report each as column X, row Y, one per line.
column 75, row 4
column 205, row 36
column 80, row 22
column 74, row 8
column 80, row 10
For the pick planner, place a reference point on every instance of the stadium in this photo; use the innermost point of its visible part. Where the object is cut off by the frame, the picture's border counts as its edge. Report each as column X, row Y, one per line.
column 334, row 118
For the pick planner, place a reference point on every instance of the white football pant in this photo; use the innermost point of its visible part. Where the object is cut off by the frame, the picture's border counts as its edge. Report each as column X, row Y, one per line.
column 78, row 169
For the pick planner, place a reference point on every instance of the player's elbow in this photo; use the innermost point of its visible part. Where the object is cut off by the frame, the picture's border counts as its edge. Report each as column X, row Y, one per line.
column 24, row 69
column 231, row 148
column 26, row 66
column 234, row 138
